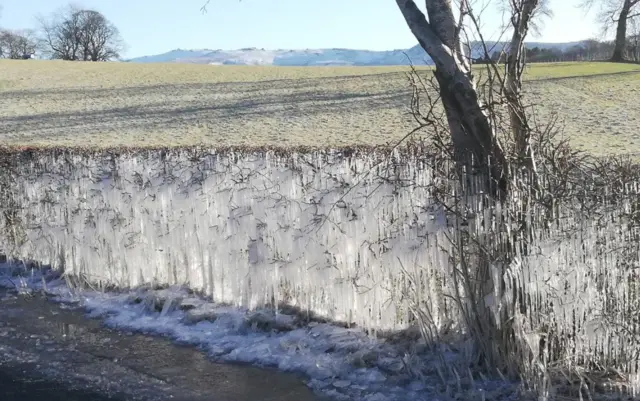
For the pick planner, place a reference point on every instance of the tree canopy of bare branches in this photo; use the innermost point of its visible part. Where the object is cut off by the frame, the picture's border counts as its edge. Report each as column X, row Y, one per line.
column 79, row 34
column 16, row 44
column 618, row 14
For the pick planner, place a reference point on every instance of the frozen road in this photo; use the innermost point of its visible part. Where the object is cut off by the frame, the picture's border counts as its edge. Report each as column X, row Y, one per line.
column 49, row 351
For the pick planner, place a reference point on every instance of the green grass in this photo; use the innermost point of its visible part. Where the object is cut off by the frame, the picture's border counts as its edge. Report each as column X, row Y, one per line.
column 565, row 70
column 56, row 103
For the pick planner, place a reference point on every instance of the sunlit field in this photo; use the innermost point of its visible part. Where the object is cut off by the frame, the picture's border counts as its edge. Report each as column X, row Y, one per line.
column 55, row 103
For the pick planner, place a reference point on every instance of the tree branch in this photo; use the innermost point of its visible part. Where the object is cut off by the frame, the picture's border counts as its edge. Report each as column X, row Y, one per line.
column 441, row 55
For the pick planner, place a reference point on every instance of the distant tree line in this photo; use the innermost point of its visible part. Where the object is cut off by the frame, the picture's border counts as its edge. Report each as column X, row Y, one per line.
column 70, row 33
column 619, row 16
column 588, row 50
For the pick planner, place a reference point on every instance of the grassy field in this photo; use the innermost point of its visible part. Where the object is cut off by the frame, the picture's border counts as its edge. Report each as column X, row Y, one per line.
column 55, row 103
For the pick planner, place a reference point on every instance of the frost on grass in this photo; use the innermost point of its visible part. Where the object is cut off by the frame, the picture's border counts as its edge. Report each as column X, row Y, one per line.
column 172, row 105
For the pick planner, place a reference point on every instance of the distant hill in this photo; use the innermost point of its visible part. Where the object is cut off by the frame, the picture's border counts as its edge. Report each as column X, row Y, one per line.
column 313, row 57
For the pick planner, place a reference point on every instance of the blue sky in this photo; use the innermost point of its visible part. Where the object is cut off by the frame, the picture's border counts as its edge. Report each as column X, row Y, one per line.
column 156, row 26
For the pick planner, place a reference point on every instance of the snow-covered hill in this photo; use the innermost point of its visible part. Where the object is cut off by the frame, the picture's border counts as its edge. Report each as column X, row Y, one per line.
column 308, row 57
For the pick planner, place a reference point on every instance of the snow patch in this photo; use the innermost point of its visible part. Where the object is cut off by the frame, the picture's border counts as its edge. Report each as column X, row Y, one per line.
column 311, row 57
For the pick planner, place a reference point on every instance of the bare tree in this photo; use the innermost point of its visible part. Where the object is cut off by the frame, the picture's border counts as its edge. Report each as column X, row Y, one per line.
column 471, row 130
column 60, row 34
column 77, row 34
column 15, row 44
column 100, row 39
column 616, row 13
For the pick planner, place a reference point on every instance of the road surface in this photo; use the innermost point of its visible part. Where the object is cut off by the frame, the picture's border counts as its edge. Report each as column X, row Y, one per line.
column 49, row 351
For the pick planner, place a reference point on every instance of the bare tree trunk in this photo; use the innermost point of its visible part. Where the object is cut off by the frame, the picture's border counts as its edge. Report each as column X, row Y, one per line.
column 513, row 80
column 621, row 33
column 471, row 132
column 620, row 44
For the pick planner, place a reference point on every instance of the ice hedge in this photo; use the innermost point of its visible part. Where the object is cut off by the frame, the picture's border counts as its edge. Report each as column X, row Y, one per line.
column 350, row 235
